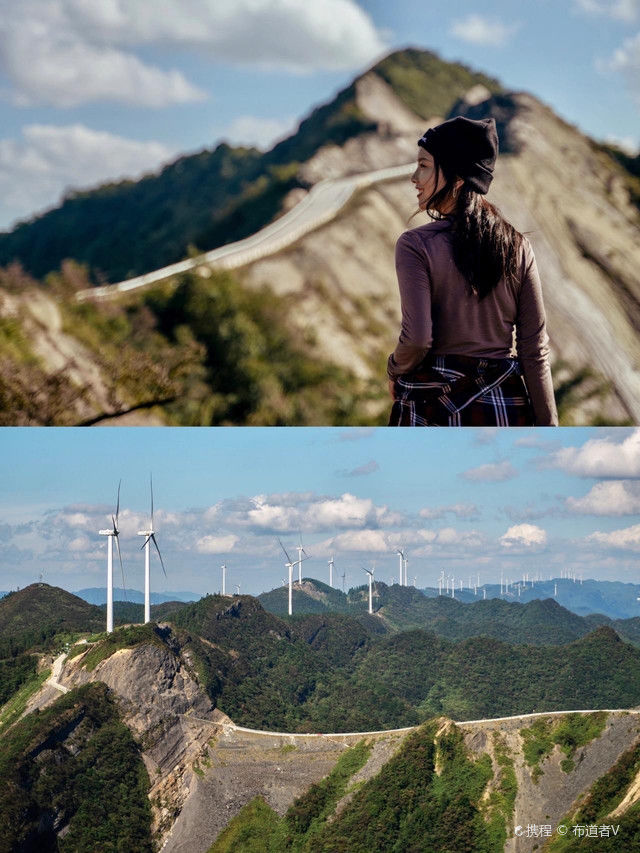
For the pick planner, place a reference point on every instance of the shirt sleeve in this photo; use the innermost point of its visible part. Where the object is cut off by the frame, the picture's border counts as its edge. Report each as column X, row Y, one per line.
column 415, row 301
column 532, row 343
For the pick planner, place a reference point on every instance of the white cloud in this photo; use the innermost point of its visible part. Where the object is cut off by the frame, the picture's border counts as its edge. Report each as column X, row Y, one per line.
column 80, row 543
column 216, row 544
column 477, row 29
column 70, row 52
column 627, row 144
column 310, row 513
column 613, row 497
column 261, row 133
column 523, row 535
column 623, row 10
column 603, row 457
column 626, row 60
column 492, row 472
column 461, row 510
column 627, row 538
column 75, row 519
column 361, row 540
column 49, row 160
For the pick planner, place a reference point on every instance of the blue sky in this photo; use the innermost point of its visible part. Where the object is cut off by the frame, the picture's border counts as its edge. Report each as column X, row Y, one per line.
column 466, row 501
column 95, row 91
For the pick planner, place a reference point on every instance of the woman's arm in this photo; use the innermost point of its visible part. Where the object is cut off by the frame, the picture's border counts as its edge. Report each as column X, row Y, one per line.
column 532, row 344
column 415, row 300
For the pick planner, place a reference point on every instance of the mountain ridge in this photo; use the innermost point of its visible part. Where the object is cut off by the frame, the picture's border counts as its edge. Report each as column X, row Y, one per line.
column 305, row 331
column 182, row 687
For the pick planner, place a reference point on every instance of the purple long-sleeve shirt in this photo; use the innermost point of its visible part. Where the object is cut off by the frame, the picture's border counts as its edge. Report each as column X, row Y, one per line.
column 441, row 316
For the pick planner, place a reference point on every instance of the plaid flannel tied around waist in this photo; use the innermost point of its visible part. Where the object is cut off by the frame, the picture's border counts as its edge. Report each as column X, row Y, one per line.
column 459, row 390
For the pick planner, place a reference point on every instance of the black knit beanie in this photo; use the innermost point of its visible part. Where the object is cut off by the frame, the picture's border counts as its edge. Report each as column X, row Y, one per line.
column 465, row 147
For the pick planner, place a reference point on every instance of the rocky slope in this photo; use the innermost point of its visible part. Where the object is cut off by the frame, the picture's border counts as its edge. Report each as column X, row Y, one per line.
column 203, row 769
column 338, row 281
column 552, row 183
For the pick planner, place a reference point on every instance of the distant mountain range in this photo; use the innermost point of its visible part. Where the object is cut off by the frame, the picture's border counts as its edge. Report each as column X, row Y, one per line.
column 211, row 348
column 611, row 599
column 98, row 595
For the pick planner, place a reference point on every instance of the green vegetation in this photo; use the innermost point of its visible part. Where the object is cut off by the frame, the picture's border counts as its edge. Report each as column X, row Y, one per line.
column 13, row 709
column 427, row 85
column 595, row 809
column 121, row 638
column 258, row 829
column 32, row 617
column 212, row 352
column 218, row 196
column 88, row 778
column 14, row 672
column 342, row 676
column 629, row 169
column 569, row 732
column 430, row 789
column 499, row 807
column 255, row 829
column 306, row 817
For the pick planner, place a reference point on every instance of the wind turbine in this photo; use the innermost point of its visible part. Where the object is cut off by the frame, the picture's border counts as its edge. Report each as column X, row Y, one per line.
column 370, row 573
column 151, row 537
column 224, row 578
column 112, row 533
column 400, row 553
column 331, row 571
column 344, row 574
column 238, row 588
column 300, row 551
column 289, row 565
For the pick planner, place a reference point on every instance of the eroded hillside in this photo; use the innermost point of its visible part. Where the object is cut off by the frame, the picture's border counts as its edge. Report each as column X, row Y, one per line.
column 300, row 335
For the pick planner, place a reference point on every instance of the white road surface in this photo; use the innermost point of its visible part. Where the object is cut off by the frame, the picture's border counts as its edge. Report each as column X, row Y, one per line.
column 457, row 722
column 55, row 673
column 321, row 204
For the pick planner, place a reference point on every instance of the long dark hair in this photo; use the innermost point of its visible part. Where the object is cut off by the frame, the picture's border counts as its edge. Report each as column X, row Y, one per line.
column 486, row 248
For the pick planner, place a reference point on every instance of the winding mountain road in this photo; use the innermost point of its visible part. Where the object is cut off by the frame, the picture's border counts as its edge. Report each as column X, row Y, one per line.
column 266, row 733
column 321, row 204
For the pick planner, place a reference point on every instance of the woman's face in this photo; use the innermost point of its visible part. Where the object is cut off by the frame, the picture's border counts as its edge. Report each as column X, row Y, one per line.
column 424, row 178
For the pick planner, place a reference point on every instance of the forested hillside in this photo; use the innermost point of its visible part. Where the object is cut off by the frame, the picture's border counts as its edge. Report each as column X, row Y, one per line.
column 215, row 197
column 181, row 688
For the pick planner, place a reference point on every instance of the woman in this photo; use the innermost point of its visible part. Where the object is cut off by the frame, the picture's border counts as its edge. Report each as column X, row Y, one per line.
column 467, row 279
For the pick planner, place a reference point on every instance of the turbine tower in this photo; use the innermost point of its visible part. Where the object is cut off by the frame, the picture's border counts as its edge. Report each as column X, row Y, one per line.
column 151, row 537
column 289, row 565
column 400, row 553
column 370, row 573
column 300, row 551
column 224, row 578
column 112, row 533
column 331, row 571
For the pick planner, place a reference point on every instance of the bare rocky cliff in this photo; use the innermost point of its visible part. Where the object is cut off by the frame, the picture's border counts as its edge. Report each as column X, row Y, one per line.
column 550, row 181
column 204, row 769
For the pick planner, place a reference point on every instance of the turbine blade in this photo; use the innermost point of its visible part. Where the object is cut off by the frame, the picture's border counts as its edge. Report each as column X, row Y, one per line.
column 145, row 542
column 284, row 549
column 124, row 585
column 115, row 527
column 153, row 539
column 118, row 502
